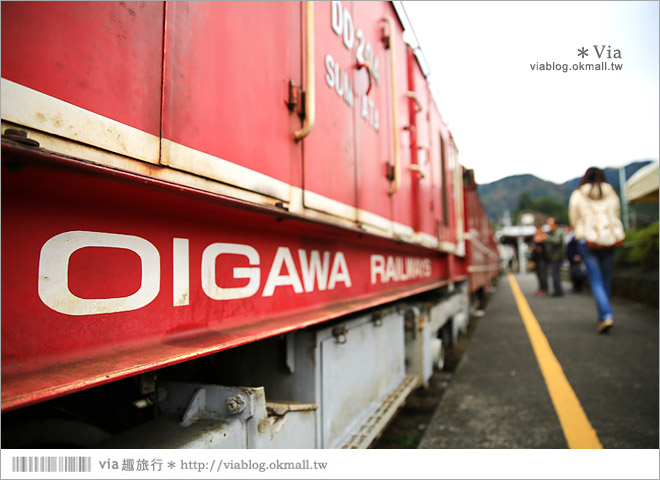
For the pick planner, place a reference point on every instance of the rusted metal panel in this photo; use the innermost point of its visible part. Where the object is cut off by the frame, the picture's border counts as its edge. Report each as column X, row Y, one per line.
column 89, row 71
column 106, row 274
column 379, row 350
column 217, row 89
column 228, row 68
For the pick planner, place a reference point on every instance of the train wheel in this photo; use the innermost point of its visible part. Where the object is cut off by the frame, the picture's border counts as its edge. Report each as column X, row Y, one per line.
column 438, row 351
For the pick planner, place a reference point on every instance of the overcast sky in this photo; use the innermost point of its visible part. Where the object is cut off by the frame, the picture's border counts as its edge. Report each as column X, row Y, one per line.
column 508, row 119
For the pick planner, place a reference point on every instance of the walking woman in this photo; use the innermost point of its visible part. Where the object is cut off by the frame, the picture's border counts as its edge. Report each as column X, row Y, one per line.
column 594, row 212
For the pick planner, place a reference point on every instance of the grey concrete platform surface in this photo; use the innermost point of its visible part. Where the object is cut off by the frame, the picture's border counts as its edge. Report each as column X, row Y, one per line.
column 498, row 397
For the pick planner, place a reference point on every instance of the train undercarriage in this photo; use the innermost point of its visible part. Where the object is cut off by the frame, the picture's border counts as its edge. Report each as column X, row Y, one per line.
column 335, row 385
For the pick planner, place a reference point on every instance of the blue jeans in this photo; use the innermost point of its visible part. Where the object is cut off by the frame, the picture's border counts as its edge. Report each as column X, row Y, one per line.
column 599, row 270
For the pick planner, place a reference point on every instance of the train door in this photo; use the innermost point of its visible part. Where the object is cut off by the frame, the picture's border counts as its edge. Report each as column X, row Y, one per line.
column 421, row 167
column 91, row 64
column 443, row 195
column 451, row 194
column 459, row 206
column 329, row 149
column 373, row 121
column 351, row 169
column 402, row 189
column 231, row 69
column 438, row 167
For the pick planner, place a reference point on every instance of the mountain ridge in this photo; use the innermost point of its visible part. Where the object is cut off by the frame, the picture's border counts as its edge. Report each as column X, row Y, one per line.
column 501, row 195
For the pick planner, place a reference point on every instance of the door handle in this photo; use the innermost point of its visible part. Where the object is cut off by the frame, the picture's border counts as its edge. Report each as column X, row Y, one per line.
column 310, row 92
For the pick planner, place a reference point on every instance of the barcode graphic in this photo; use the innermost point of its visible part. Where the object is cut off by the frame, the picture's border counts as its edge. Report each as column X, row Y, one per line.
column 51, row 464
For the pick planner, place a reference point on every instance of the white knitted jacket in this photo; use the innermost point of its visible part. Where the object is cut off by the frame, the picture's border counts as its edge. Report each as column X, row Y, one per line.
column 581, row 202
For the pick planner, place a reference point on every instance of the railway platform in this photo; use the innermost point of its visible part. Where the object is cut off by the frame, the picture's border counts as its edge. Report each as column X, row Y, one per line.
column 537, row 375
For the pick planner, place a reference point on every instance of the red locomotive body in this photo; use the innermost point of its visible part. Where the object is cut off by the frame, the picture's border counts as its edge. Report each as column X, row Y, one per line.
column 225, row 193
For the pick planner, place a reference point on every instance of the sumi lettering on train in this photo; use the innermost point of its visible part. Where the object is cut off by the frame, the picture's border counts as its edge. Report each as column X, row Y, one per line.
column 338, row 78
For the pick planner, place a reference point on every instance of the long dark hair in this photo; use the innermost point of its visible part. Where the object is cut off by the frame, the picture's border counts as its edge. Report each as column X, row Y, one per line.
column 595, row 176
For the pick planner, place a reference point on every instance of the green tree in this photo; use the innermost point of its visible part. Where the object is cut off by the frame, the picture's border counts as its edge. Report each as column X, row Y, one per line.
column 553, row 208
column 525, row 202
column 545, row 205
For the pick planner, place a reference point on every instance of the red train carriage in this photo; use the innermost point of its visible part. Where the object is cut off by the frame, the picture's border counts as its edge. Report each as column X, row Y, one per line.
column 202, row 195
column 482, row 254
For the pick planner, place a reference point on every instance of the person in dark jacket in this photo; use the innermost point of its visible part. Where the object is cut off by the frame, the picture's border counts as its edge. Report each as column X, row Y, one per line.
column 555, row 254
column 540, row 261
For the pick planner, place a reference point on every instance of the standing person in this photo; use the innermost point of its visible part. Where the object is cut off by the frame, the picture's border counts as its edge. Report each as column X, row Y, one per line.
column 594, row 212
column 540, row 261
column 555, row 254
column 577, row 268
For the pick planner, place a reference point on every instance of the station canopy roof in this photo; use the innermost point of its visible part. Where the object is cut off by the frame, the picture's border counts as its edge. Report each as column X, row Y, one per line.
column 516, row 231
column 642, row 186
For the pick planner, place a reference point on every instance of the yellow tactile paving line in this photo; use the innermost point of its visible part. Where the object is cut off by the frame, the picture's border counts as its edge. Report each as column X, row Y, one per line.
column 577, row 429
